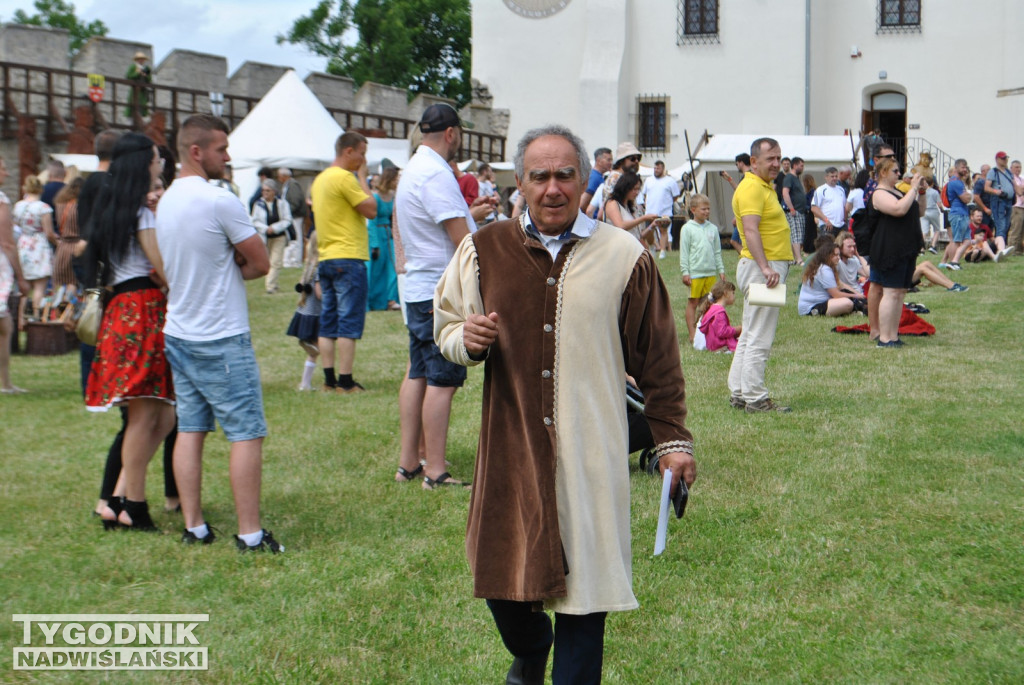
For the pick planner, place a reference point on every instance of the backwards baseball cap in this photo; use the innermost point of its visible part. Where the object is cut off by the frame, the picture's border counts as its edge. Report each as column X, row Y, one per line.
column 440, row 117
column 1001, row 155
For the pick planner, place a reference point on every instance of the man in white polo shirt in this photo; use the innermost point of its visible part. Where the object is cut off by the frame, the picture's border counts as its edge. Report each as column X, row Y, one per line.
column 829, row 204
column 659, row 192
column 432, row 219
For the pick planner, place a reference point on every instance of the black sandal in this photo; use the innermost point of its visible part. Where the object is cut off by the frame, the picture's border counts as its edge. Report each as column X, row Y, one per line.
column 445, row 479
column 409, row 475
column 138, row 512
column 115, row 505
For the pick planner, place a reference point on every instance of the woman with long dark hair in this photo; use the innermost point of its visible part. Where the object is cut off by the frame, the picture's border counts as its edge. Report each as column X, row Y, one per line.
column 130, row 367
column 819, row 291
column 621, row 204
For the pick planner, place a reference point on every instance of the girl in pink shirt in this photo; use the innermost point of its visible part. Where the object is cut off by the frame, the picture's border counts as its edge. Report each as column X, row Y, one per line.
column 714, row 322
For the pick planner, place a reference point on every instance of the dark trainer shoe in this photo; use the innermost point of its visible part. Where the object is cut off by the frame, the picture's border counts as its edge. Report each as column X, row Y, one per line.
column 267, row 543
column 766, row 405
column 189, row 538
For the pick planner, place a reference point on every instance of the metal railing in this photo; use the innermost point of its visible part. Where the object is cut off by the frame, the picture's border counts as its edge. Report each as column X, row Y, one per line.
column 50, row 96
column 941, row 160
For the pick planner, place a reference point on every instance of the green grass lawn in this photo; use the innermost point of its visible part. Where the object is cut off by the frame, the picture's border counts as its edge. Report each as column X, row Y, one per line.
column 875, row 534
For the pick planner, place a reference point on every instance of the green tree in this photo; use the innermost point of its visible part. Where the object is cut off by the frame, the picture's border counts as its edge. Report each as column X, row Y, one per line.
column 61, row 15
column 420, row 45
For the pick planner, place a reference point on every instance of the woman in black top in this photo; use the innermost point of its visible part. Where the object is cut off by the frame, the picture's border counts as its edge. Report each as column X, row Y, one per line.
column 895, row 243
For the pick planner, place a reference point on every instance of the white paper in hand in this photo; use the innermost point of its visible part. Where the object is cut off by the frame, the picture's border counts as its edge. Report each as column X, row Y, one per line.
column 659, row 538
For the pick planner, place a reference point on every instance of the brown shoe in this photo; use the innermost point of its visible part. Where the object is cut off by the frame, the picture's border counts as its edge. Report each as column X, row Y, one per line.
column 736, row 402
column 766, row 405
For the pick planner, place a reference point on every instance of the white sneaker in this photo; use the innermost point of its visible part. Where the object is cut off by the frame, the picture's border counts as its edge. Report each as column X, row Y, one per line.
column 1007, row 251
column 661, row 255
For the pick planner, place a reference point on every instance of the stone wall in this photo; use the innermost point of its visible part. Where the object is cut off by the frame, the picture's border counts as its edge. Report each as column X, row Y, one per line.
column 376, row 98
column 254, row 79
column 111, row 57
column 337, row 92
column 35, row 45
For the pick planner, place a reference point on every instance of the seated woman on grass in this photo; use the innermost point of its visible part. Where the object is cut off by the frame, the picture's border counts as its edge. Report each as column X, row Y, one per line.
column 819, row 288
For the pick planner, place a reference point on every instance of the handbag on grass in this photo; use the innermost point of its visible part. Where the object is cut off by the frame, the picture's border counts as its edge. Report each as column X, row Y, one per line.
column 88, row 327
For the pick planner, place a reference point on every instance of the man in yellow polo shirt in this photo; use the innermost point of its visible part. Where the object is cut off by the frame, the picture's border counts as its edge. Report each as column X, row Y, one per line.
column 765, row 258
column 342, row 202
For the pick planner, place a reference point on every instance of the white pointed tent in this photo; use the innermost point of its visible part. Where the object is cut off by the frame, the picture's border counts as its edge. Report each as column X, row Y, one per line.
column 289, row 127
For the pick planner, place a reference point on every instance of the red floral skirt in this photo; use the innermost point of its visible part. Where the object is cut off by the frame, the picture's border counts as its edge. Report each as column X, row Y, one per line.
column 130, row 361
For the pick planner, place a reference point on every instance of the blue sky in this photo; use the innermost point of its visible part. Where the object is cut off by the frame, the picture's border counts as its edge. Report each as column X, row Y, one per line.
column 241, row 30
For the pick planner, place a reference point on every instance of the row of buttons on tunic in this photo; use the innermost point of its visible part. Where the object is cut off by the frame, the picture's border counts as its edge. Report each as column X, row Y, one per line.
column 545, row 373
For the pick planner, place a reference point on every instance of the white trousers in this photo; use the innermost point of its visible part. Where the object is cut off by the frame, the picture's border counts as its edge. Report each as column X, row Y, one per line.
column 746, row 375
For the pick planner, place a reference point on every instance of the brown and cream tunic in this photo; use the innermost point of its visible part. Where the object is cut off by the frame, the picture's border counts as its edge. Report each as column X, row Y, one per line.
column 549, row 512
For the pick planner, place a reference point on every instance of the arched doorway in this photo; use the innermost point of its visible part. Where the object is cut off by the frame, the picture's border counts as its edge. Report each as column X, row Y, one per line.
column 886, row 111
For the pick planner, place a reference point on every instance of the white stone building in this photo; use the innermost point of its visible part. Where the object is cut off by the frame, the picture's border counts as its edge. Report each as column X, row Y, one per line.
column 931, row 74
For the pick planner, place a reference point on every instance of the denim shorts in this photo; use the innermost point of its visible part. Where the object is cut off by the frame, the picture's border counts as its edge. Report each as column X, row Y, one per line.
column 217, row 379
column 425, row 358
column 344, row 285
column 960, row 227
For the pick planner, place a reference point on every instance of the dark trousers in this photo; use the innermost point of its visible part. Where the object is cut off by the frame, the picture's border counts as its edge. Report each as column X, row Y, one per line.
column 578, row 640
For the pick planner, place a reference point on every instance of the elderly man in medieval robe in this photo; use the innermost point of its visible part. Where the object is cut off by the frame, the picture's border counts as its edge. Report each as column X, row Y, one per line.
column 560, row 308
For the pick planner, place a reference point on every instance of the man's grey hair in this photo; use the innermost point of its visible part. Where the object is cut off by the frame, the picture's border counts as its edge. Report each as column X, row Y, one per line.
column 601, row 151
column 552, row 130
column 285, row 171
column 831, row 170
column 762, row 144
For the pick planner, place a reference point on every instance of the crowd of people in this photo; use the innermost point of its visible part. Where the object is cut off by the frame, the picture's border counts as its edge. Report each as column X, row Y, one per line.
column 572, row 265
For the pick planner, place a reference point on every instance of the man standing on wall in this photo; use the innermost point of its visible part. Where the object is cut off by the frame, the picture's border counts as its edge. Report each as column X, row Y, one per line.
column 342, row 202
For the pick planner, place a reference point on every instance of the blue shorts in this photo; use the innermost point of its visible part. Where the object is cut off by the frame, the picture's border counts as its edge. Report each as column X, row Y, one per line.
column 344, row 286
column 425, row 358
column 217, row 379
column 960, row 227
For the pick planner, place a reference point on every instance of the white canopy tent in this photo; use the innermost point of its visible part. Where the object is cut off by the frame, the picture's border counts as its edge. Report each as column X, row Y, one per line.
column 289, row 127
column 818, row 153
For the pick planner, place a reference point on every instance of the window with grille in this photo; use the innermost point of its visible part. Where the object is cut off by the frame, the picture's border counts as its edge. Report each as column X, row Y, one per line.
column 899, row 16
column 652, row 119
column 697, row 22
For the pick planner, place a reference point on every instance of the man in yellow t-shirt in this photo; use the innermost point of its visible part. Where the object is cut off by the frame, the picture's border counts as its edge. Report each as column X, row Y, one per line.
column 765, row 258
column 342, row 202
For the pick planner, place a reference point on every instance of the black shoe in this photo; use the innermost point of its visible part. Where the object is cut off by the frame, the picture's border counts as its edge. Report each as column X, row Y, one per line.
column 189, row 538
column 527, row 671
column 138, row 512
column 267, row 543
column 116, row 505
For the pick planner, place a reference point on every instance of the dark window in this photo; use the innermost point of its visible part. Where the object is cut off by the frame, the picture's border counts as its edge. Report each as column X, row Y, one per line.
column 697, row 22
column 899, row 16
column 653, row 130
